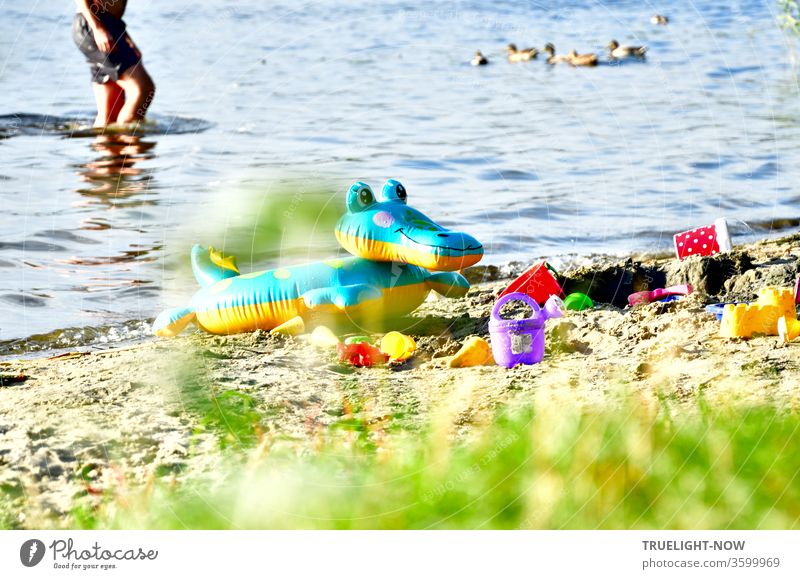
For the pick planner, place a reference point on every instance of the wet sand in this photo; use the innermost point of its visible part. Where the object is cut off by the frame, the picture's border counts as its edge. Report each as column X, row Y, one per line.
column 85, row 422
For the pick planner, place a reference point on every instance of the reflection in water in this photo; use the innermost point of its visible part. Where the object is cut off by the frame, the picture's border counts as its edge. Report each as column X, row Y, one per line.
column 80, row 252
column 115, row 180
column 88, row 257
column 113, row 177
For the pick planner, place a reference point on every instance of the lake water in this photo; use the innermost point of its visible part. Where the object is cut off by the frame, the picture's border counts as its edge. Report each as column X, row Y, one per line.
column 533, row 160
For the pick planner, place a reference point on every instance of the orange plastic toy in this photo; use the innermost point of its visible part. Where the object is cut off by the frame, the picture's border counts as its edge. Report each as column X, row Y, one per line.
column 475, row 352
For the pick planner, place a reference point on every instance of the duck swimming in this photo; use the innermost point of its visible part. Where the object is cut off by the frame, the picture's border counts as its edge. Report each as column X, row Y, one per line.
column 523, row 55
column 576, row 59
column 479, row 59
column 618, row 51
column 553, row 59
column 659, row 19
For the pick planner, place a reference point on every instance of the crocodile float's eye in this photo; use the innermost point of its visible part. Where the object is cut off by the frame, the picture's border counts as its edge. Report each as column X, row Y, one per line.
column 365, row 197
column 394, row 191
column 359, row 197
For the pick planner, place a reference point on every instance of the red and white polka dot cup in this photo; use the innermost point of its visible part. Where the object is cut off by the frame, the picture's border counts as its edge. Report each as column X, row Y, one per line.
column 706, row 240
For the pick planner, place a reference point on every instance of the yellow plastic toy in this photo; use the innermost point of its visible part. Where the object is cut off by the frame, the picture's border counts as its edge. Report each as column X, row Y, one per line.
column 761, row 317
column 323, row 337
column 788, row 329
column 292, row 327
column 475, row 352
column 398, row 346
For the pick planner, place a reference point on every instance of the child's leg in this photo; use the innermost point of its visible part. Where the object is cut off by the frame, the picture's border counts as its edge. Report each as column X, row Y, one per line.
column 110, row 100
column 139, row 91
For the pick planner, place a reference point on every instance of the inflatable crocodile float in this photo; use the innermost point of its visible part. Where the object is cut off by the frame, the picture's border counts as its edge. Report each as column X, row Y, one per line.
column 394, row 244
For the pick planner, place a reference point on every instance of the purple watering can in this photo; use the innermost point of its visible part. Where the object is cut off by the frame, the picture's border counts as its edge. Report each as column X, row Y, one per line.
column 521, row 341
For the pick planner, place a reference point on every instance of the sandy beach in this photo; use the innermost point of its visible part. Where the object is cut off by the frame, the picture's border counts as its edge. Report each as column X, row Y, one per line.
column 84, row 422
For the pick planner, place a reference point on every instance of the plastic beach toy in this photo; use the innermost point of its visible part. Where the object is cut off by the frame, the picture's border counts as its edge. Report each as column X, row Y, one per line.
column 659, row 294
column 394, row 246
column 361, row 354
column 293, row 327
column 669, row 299
column 717, row 309
column 788, row 329
column 323, row 337
column 538, row 281
column 398, row 346
column 761, row 317
column 705, row 240
column 578, row 301
column 475, row 352
column 521, row 341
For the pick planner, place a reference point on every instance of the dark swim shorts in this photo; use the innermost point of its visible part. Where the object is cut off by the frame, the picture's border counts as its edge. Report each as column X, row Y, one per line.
column 105, row 67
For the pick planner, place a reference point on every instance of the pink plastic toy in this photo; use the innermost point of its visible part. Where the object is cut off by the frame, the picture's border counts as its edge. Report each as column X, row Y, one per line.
column 658, row 294
column 706, row 240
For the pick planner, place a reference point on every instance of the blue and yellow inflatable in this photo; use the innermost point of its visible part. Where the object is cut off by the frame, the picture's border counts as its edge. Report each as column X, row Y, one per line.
column 394, row 244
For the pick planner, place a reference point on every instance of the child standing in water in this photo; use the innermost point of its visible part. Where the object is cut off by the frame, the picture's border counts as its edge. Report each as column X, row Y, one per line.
column 122, row 88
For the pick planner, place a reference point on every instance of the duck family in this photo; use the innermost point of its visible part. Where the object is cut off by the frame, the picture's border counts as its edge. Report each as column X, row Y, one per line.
column 573, row 58
column 616, row 52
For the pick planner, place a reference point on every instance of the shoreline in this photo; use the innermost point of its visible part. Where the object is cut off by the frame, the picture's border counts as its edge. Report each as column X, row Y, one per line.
column 62, row 340
column 83, row 421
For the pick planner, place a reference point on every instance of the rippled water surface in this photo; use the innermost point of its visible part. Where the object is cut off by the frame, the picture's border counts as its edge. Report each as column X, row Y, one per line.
column 531, row 159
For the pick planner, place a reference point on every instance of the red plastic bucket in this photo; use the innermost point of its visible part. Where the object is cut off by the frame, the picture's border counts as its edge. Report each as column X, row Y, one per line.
column 538, row 282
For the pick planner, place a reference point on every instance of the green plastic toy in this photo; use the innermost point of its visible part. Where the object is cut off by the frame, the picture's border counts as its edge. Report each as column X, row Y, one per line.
column 578, row 301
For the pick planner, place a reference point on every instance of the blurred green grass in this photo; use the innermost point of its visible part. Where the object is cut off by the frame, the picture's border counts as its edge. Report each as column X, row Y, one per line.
column 557, row 466
column 276, row 222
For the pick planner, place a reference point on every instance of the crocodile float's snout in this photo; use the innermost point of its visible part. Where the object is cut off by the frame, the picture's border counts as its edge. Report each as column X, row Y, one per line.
column 439, row 250
column 385, row 228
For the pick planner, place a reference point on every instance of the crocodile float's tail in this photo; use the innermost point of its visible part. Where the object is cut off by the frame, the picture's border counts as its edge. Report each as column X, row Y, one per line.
column 210, row 266
column 171, row 322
